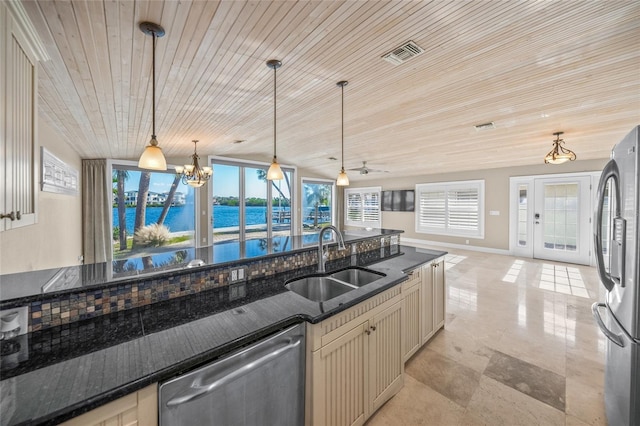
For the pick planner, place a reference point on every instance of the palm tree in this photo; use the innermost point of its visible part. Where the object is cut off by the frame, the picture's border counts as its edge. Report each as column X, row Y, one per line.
column 141, row 205
column 316, row 195
column 120, row 176
column 167, row 202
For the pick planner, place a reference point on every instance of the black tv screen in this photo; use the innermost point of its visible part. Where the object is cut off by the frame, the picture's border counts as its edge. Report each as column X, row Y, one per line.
column 398, row 200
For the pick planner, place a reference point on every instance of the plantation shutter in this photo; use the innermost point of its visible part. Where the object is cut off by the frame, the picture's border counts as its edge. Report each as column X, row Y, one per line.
column 432, row 211
column 363, row 207
column 453, row 208
column 354, row 203
column 463, row 208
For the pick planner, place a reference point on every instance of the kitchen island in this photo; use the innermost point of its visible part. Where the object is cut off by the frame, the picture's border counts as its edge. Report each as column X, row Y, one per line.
column 152, row 343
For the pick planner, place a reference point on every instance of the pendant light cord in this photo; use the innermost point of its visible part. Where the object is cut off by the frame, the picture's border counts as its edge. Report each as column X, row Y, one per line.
column 342, row 130
column 274, row 110
column 153, row 90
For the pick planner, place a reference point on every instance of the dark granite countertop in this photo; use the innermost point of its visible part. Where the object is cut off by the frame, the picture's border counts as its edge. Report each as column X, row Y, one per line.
column 78, row 367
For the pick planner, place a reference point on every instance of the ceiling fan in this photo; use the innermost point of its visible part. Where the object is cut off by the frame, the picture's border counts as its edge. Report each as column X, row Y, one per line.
column 364, row 170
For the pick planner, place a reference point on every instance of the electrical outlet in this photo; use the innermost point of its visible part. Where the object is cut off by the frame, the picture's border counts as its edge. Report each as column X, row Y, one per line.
column 14, row 322
column 237, row 274
column 382, row 242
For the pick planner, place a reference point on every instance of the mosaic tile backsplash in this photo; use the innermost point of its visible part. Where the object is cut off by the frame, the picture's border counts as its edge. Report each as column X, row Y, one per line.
column 69, row 308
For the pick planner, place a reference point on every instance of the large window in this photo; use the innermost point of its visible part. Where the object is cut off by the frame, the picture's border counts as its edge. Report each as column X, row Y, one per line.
column 153, row 218
column 451, row 208
column 317, row 204
column 246, row 205
column 362, row 207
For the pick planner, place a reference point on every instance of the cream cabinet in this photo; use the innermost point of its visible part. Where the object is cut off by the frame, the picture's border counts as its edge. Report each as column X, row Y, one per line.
column 412, row 328
column 424, row 314
column 18, row 119
column 136, row 409
column 355, row 361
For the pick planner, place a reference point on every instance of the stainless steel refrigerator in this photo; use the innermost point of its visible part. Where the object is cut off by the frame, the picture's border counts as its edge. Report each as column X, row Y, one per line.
column 617, row 239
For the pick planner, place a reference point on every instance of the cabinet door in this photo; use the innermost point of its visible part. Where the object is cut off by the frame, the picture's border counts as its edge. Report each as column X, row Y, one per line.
column 136, row 409
column 19, row 101
column 340, row 380
column 386, row 358
column 428, row 326
column 439, row 294
column 412, row 320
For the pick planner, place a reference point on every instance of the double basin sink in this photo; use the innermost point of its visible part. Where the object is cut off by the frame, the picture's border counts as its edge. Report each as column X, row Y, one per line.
column 320, row 288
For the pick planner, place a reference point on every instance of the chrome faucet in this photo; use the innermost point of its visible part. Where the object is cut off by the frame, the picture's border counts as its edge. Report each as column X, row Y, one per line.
column 321, row 255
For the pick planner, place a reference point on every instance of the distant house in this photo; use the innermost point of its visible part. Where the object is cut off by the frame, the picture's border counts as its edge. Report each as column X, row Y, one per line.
column 179, row 199
column 131, row 198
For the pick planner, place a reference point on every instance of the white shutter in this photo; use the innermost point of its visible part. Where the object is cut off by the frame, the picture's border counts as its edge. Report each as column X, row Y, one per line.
column 363, row 207
column 462, row 209
column 354, row 210
column 451, row 208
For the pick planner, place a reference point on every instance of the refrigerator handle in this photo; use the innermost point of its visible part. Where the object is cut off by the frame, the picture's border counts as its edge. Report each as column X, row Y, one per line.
column 615, row 338
column 610, row 171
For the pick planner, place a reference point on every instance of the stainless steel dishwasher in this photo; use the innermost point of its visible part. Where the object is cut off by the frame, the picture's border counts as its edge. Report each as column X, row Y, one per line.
column 262, row 384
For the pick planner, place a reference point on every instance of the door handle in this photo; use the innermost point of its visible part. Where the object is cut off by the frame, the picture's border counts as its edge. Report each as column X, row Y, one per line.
column 615, row 338
column 235, row 373
column 610, row 171
column 10, row 215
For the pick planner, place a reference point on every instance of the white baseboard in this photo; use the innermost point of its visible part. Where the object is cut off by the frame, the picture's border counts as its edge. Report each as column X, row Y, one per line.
column 430, row 244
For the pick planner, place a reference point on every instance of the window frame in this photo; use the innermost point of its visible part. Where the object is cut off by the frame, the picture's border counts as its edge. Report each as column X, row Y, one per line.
column 319, row 181
column 212, row 160
column 446, row 188
column 363, row 191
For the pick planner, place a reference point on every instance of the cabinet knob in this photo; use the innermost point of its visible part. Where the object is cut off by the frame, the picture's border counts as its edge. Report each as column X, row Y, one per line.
column 18, row 215
column 11, row 216
column 367, row 331
column 373, row 328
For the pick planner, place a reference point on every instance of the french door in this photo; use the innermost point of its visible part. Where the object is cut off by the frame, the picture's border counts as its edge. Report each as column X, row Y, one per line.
column 551, row 217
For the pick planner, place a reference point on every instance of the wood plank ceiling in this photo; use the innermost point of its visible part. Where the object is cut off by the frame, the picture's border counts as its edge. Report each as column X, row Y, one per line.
column 531, row 67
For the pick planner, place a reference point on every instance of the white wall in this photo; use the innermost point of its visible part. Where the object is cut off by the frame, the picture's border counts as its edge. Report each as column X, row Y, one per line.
column 496, row 234
column 56, row 239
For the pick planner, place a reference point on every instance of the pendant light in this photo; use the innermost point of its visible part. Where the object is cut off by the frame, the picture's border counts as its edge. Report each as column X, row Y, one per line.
column 559, row 154
column 274, row 172
column 343, row 179
column 152, row 157
column 192, row 174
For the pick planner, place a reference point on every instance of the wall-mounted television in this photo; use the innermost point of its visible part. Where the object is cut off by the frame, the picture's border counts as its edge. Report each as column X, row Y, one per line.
column 398, row 200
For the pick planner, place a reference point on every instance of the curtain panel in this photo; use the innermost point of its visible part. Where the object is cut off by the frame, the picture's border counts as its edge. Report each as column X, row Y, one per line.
column 96, row 207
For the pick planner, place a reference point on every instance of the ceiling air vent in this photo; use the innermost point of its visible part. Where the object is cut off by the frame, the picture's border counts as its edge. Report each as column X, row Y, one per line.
column 485, row 126
column 403, row 53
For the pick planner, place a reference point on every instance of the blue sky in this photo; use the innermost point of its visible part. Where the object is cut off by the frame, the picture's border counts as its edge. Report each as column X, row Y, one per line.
column 225, row 182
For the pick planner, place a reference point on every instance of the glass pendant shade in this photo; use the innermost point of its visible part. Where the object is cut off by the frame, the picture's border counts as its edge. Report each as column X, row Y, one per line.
column 152, row 157
column 275, row 172
column 343, row 179
column 559, row 154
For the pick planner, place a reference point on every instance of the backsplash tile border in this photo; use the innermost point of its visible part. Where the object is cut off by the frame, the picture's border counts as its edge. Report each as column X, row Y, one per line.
column 85, row 304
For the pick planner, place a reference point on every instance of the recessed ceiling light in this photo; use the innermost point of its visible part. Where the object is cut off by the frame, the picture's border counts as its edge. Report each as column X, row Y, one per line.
column 237, row 141
column 333, row 159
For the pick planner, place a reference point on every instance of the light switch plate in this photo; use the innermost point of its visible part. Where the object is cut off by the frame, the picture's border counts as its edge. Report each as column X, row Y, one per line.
column 23, row 318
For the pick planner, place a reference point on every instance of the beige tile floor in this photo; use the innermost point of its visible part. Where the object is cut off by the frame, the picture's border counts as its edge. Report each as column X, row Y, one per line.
column 519, row 347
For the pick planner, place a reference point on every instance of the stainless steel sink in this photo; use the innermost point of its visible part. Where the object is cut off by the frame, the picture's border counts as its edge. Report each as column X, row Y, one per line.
column 357, row 277
column 319, row 289
column 325, row 287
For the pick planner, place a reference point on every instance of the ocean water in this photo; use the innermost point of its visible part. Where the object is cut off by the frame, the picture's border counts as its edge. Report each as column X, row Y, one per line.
column 182, row 218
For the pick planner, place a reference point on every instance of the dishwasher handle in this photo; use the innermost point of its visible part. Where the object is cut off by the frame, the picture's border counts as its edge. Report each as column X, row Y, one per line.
column 615, row 338
column 202, row 390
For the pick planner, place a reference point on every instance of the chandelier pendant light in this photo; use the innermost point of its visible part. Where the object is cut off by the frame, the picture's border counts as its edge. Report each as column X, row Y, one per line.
column 152, row 157
column 274, row 172
column 192, row 174
column 343, row 179
column 559, row 154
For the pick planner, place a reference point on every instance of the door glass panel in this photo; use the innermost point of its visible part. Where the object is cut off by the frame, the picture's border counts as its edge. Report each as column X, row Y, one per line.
column 255, row 203
column 317, row 208
column 560, row 224
column 523, row 220
column 226, row 202
column 281, row 202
